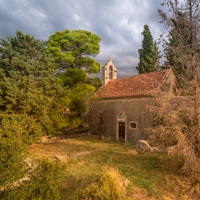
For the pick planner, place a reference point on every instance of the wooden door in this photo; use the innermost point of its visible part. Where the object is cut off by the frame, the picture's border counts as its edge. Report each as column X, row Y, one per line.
column 121, row 131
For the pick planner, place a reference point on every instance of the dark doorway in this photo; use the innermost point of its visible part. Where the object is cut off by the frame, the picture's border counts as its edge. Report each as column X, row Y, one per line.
column 121, row 131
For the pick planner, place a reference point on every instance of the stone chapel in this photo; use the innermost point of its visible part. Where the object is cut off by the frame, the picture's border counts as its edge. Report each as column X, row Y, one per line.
column 119, row 108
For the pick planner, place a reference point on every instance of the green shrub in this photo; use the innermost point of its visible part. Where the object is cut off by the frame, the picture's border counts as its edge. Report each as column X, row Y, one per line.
column 108, row 187
column 44, row 182
column 74, row 121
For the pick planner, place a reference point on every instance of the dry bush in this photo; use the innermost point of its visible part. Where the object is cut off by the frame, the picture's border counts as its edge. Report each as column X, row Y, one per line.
column 109, row 187
column 175, row 126
column 181, row 114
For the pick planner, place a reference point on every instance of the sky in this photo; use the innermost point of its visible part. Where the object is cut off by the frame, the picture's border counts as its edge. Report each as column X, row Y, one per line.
column 118, row 23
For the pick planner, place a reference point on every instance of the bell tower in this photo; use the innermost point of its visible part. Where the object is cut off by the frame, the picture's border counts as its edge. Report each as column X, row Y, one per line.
column 109, row 72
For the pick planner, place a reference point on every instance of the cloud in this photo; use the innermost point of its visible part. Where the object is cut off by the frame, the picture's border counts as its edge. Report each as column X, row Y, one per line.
column 118, row 23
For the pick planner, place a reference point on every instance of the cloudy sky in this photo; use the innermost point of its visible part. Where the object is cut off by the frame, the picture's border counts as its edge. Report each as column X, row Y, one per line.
column 118, row 23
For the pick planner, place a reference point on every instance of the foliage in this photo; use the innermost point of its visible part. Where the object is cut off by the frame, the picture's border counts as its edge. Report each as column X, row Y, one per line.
column 13, row 149
column 73, row 52
column 79, row 97
column 108, row 187
column 31, row 100
column 149, row 54
column 78, row 103
column 74, row 121
column 73, row 49
column 79, row 90
column 96, row 82
column 27, row 87
column 73, row 77
column 43, row 183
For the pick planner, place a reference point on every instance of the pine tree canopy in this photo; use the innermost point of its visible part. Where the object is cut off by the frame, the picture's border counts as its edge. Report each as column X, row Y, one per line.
column 75, row 49
column 73, row 52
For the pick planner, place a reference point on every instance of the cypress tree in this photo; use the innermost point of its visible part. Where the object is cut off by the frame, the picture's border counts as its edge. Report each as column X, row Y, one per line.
column 149, row 54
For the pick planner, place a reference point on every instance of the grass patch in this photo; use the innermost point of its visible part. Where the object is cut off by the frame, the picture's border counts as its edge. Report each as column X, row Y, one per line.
column 151, row 176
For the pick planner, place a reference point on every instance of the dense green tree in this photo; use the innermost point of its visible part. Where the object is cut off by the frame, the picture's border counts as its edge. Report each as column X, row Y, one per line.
column 74, row 49
column 13, row 150
column 41, row 178
column 27, row 86
column 72, row 77
column 149, row 54
column 30, row 106
column 79, row 89
column 73, row 52
column 96, row 82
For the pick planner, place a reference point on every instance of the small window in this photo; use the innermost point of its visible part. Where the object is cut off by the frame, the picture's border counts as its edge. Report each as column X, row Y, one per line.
column 133, row 125
column 121, row 116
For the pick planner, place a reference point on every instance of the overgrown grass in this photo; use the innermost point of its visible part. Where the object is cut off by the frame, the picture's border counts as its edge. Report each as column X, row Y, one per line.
column 151, row 175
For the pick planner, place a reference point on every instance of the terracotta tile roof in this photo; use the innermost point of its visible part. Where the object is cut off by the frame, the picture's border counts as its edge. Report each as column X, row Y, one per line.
column 138, row 85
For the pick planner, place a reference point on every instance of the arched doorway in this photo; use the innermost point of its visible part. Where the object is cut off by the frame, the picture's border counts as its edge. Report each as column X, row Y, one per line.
column 121, row 127
column 121, row 130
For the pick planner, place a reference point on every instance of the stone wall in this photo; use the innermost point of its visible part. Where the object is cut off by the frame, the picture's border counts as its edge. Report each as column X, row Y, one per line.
column 132, row 110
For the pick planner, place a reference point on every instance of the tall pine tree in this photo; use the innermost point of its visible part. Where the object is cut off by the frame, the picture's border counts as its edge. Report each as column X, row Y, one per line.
column 149, row 54
column 74, row 52
column 180, row 35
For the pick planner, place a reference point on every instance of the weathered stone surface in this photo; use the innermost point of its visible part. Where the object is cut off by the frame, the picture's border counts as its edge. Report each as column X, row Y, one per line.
column 71, row 155
column 142, row 146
